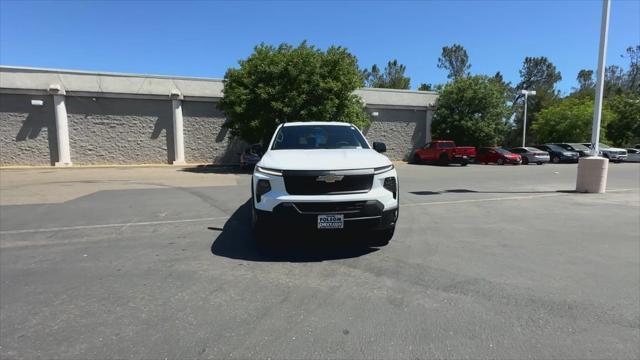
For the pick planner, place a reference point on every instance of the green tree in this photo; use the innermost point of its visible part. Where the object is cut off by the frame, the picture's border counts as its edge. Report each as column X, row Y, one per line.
column 538, row 73
column 586, row 85
column 569, row 120
column 471, row 111
column 585, row 80
column 392, row 77
column 455, row 60
column 281, row 84
column 614, row 80
column 425, row 87
column 632, row 82
column 624, row 129
column 541, row 75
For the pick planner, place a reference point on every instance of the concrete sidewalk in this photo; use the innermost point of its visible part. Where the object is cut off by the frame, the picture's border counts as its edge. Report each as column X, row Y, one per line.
column 56, row 185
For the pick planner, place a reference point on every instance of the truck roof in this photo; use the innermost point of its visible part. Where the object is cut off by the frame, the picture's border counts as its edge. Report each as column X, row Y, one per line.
column 313, row 123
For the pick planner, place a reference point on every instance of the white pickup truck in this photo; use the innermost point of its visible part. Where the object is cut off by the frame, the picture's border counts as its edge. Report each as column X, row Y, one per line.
column 324, row 176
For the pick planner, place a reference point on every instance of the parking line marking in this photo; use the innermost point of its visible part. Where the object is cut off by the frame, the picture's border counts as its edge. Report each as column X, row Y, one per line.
column 498, row 198
column 83, row 227
column 480, row 200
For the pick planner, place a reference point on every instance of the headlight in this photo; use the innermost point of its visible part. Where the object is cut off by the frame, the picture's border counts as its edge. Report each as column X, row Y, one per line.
column 382, row 169
column 268, row 171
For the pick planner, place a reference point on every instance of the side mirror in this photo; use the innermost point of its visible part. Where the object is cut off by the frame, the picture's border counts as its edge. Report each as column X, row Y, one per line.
column 379, row 147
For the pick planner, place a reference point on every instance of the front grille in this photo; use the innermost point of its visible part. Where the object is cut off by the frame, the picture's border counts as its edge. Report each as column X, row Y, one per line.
column 308, row 182
column 330, row 207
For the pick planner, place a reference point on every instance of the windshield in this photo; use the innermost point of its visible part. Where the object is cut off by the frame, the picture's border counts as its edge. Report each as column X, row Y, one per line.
column 556, row 148
column 579, row 147
column 502, row 151
column 604, row 146
column 309, row 137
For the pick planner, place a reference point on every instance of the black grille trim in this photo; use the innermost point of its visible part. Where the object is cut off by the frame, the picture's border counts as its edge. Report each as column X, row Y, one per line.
column 304, row 182
column 330, row 207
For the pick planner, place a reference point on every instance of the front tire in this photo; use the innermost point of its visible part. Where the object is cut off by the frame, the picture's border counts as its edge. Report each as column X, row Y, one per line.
column 539, row 163
column 555, row 160
column 260, row 227
column 382, row 237
column 500, row 162
column 525, row 161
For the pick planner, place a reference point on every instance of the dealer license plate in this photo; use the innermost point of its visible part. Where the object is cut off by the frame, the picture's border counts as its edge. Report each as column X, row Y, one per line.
column 331, row 221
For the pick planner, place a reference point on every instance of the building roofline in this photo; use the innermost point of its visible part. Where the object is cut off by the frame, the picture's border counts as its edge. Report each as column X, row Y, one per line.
column 398, row 90
column 106, row 73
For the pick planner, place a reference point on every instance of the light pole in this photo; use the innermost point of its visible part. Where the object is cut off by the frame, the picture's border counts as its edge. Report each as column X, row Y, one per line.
column 592, row 170
column 526, row 94
column 602, row 57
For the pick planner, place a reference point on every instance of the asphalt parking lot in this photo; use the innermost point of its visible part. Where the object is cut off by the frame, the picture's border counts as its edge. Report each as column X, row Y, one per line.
column 487, row 262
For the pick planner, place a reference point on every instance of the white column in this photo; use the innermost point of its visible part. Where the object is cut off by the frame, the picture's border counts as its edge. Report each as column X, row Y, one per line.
column 62, row 126
column 427, row 129
column 178, row 135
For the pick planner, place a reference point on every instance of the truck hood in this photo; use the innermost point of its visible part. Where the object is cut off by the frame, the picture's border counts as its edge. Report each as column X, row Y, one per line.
column 329, row 159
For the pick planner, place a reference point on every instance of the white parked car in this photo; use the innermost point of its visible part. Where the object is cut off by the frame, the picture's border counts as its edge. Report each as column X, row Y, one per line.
column 633, row 155
column 323, row 176
column 613, row 154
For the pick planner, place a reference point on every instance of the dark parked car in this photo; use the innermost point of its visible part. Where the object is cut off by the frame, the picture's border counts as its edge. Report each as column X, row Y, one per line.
column 497, row 155
column 558, row 154
column 579, row 148
column 250, row 156
column 531, row 155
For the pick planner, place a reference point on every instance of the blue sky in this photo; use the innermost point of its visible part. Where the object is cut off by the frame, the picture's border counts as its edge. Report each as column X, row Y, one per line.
column 203, row 38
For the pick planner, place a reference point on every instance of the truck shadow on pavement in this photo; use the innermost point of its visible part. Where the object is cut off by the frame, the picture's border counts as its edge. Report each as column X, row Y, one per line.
column 236, row 241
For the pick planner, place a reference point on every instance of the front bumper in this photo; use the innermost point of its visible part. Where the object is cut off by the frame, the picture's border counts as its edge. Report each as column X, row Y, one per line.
column 278, row 193
column 617, row 157
column 369, row 215
column 572, row 159
column 376, row 208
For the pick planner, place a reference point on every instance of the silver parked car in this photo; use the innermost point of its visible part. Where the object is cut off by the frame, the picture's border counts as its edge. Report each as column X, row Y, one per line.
column 531, row 155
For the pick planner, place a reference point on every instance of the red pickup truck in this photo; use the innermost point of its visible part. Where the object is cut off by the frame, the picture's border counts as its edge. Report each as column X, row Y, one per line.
column 444, row 152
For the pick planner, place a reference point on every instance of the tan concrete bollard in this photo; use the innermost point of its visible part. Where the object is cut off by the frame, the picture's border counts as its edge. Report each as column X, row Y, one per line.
column 592, row 175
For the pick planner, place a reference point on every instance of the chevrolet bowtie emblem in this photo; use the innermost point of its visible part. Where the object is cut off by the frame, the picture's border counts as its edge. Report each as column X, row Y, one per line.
column 329, row 178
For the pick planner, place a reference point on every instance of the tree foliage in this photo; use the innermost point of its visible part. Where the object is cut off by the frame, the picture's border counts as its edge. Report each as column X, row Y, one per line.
column 569, row 120
column 392, row 77
column 624, row 128
column 585, row 80
column 538, row 73
column 541, row 75
column 633, row 74
column 614, row 80
column 455, row 60
column 281, row 84
column 471, row 111
column 425, row 87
